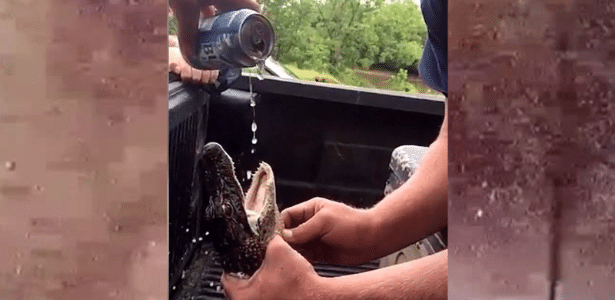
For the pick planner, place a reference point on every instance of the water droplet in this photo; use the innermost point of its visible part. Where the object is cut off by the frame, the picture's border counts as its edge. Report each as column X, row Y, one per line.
column 254, row 140
column 27, row 235
column 590, row 283
column 187, row 229
column 193, row 240
column 218, row 288
column 249, row 174
column 10, row 165
column 39, row 188
column 200, row 238
column 253, row 126
column 252, row 151
column 18, row 270
column 252, row 103
column 183, row 274
column 110, row 123
column 206, row 252
column 211, row 283
column 261, row 69
column 206, row 232
column 113, row 181
column 484, row 185
column 479, row 213
column 174, row 287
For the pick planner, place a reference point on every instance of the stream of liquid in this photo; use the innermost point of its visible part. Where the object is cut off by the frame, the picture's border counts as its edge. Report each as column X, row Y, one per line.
column 254, row 127
column 253, row 105
column 259, row 75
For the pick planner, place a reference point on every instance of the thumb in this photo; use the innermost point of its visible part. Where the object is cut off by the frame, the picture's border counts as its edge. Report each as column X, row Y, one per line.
column 230, row 282
column 311, row 229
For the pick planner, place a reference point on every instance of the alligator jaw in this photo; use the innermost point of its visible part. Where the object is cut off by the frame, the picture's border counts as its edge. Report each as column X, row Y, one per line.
column 225, row 205
column 260, row 200
column 220, row 170
column 241, row 226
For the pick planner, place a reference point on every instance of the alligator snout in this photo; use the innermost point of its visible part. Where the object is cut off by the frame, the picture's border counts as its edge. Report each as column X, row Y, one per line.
column 244, row 223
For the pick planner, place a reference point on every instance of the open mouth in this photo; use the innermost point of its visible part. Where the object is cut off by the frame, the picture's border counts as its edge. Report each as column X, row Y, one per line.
column 258, row 194
column 220, row 178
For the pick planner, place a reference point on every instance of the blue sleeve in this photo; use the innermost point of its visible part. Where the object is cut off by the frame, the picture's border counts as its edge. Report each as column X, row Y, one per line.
column 433, row 66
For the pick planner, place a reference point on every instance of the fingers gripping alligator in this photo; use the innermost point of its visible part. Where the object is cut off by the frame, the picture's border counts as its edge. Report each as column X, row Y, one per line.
column 242, row 225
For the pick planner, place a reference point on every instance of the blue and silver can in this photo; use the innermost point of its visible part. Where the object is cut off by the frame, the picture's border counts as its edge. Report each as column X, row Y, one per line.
column 232, row 40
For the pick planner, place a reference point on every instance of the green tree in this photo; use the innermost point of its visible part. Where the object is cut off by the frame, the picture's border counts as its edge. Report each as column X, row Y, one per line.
column 172, row 22
column 337, row 34
column 400, row 32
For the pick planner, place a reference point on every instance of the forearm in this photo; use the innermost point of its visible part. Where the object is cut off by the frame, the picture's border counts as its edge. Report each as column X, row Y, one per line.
column 187, row 13
column 173, row 42
column 424, row 278
column 419, row 207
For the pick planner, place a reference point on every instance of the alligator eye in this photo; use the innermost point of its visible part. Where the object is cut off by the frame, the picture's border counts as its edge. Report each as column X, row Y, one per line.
column 226, row 210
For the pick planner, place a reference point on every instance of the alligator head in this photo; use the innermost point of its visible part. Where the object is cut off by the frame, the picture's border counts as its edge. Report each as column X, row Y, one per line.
column 241, row 225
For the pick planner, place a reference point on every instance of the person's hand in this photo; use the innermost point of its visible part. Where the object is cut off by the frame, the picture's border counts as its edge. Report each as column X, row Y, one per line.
column 328, row 231
column 284, row 274
column 179, row 66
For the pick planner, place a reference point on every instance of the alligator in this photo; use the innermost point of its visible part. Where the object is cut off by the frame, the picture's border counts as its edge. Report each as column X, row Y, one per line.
column 242, row 224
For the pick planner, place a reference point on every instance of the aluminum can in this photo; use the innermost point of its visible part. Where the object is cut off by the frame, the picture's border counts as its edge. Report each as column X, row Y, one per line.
column 236, row 39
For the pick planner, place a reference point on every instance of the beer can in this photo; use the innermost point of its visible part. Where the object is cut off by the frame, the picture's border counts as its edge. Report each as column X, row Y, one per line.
column 237, row 39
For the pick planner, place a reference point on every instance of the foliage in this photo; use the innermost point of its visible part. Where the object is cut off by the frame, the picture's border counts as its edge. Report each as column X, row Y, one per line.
column 349, row 77
column 401, row 35
column 400, row 82
column 334, row 34
column 172, row 22
column 311, row 75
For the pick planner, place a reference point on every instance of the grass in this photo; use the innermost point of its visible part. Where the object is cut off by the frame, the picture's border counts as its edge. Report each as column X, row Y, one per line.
column 310, row 75
column 351, row 79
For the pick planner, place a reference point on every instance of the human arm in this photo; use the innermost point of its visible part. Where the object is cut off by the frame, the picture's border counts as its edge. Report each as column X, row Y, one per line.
column 285, row 274
column 173, row 42
column 424, row 278
column 419, row 207
column 324, row 230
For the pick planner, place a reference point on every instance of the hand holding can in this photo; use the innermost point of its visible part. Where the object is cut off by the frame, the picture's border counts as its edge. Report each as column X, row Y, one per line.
column 227, row 42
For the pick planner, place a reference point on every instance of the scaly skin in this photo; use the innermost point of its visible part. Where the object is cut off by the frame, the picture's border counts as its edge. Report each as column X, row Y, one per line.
column 242, row 225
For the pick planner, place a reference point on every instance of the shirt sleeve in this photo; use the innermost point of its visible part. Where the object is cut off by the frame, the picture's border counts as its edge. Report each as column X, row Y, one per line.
column 433, row 66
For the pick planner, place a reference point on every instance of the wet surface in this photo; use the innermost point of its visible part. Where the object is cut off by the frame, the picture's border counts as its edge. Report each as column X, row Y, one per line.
column 83, row 125
column 531, row 210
